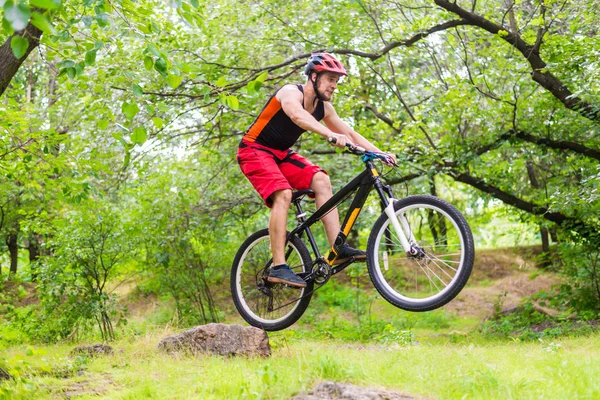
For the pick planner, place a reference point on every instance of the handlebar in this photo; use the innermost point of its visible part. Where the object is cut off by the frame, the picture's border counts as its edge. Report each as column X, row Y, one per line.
column 360, row 151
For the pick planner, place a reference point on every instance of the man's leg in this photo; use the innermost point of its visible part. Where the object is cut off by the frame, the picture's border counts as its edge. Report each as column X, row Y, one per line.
column 280, row 272
column 278, row 224
column 321, row 185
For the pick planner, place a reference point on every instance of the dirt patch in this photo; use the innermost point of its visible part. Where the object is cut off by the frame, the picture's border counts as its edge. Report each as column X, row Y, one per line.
column 511, row 275
column 498, row 263
column 335, row 390
column 20, row 294
column 138, row 303
column 96, row 387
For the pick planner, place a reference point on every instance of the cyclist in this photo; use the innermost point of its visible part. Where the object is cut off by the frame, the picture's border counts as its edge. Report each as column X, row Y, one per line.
column 265, row 157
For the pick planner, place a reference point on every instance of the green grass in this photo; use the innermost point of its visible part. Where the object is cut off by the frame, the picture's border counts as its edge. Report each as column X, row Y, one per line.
column 566, row 368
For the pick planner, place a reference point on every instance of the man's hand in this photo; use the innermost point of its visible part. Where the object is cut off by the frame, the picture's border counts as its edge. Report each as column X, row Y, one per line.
column 390, row 160
column 338, row 140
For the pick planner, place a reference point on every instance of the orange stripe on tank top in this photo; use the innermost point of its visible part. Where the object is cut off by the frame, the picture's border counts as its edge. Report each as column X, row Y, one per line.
column 263, row 119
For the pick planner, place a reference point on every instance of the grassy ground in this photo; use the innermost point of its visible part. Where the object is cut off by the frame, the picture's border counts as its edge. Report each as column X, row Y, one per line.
column 561, row 369
column 346, row 336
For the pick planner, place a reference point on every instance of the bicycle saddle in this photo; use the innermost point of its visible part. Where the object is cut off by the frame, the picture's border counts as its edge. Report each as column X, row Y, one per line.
column 297, row 195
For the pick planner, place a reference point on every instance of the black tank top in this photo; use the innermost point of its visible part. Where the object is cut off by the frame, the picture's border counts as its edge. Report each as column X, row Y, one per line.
column 273, row 128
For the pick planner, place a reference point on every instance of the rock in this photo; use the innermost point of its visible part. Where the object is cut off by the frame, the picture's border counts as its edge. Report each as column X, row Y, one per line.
column 222, row 339
column 334, row 390
column 93, row 350
column 4, row 375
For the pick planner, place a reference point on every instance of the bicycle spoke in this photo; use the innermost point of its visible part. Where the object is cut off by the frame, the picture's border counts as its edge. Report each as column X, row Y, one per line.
column 438, row 257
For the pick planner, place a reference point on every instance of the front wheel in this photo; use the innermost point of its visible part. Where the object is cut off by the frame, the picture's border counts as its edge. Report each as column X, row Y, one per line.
column 440, row 264
column 262, row 304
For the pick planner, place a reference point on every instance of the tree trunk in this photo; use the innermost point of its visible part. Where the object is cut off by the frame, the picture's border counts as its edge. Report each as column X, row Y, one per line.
column 34, row 254
column 9, row 65
column 544, row 261
column 13, row 248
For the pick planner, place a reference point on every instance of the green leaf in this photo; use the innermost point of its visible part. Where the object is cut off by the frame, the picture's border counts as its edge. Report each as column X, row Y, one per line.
column 250, row 87
column 127, row 158
column 161, row 66
column 66, row 64
column 41, row 22
column 195, row 3
column 19, row 45
column 233, row 103
column 46, row 4
column 90, row 57
column 17, row 15
column 174, row 80
column 152, row 49
column 221, row 82
column 79, row 67
column 103, row 124
column 139, row 135
column 130, row 110
column 148, row 63
column 103, row 19
column 137, row 90
column 71, row 72
column 158, row 122
column 261, row 78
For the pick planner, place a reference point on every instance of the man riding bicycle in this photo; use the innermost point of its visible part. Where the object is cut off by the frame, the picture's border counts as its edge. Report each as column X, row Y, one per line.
column 274, row 169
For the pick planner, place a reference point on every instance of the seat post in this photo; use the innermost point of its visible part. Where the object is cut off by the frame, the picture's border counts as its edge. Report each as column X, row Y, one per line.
column 300, row 214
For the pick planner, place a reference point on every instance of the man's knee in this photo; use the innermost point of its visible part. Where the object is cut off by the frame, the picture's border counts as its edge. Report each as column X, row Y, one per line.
column 321, row 182
column 282, row 197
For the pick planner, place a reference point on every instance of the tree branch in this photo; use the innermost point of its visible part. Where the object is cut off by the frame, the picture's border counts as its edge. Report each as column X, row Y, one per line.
column 9, row 64
column 539, row 72
column 554, row 144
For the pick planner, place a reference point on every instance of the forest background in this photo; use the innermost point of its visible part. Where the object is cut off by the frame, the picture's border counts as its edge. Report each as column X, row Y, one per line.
column 119, row 123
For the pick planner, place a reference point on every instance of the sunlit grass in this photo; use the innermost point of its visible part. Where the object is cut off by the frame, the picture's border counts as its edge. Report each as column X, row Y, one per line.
column 566, row 368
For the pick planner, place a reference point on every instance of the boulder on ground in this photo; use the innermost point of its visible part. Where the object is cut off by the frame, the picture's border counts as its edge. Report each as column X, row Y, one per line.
column 4, row 375
column 334, row 390
column 93, row 350
column 221, row 339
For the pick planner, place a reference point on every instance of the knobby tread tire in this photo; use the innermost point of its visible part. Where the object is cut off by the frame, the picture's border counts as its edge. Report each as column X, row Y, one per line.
column 462, row 276
column 238, row 296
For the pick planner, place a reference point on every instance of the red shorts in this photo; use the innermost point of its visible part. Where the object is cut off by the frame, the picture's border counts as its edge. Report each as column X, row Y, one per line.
column 270, row 170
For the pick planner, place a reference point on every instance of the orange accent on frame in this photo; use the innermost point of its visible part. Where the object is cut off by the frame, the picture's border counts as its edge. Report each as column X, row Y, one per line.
column 351, row 221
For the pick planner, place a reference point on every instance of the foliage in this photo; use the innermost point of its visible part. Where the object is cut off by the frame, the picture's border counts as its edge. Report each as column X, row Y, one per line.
column 138, row 107
column 528, row 323
column 87, row 250
column 579, row 260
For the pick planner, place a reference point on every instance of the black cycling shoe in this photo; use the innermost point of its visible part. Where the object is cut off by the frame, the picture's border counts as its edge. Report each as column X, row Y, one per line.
column 283, row 274
column 347, row 252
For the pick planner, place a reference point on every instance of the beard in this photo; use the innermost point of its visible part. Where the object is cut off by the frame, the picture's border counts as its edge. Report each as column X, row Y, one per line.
column 326, row 96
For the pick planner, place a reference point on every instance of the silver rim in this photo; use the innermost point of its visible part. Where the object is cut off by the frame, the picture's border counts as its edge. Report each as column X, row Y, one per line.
column 428, row 278
column 252, row 300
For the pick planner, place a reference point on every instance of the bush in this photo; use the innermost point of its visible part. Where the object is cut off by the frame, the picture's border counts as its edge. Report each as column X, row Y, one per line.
column 579, row 260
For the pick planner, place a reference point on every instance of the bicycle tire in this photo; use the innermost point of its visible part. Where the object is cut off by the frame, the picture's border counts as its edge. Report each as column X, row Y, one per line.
column 434, row 277
column 251, row 291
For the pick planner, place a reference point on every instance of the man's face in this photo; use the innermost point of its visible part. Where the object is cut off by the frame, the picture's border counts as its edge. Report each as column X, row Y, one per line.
column 327, row 84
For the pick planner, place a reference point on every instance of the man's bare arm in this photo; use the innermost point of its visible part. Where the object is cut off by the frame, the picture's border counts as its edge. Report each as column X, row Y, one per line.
column 291, row 102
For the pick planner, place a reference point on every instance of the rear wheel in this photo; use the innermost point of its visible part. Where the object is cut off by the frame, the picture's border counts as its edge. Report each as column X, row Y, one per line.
column 262, row 304
column 442, row 260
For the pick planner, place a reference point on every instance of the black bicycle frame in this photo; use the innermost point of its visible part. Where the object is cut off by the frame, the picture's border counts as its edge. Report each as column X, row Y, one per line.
column 363, row 184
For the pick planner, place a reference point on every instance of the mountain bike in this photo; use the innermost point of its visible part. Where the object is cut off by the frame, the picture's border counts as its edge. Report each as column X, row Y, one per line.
column 419, row 253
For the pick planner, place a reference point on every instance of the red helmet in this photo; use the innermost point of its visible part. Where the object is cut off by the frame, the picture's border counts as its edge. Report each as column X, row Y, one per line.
column 324, row 62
